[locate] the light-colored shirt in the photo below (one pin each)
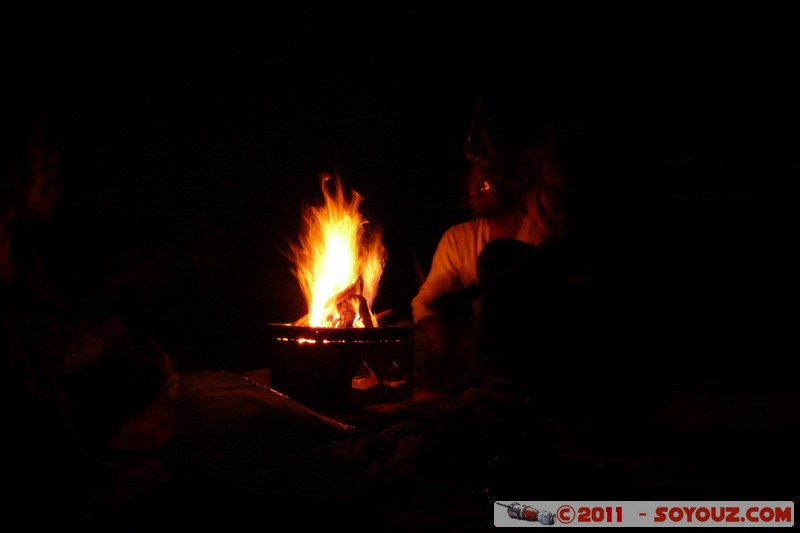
(454, 266)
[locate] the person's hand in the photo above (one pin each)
(433, 334)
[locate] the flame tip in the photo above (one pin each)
(339, 253)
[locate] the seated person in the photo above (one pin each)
(68, 384)
(525, 269)
(513, 194)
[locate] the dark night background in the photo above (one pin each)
(190, 138)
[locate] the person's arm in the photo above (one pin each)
(444, 278)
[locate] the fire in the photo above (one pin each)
(338, 261)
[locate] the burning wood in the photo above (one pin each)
(364, 311)
(336, 355)
(381, 315)
(351, 306)
(336, 248)
(334, 302)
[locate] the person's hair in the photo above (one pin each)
(516, 147)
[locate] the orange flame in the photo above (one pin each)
(337, 253)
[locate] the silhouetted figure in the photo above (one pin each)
(68, 383)
(532, 270)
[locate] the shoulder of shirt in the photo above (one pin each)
(469, 227)
(461, 233)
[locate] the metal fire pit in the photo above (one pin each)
(330, 368)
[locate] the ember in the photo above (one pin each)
(337, 355)
(338, 261)
(339, 368)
